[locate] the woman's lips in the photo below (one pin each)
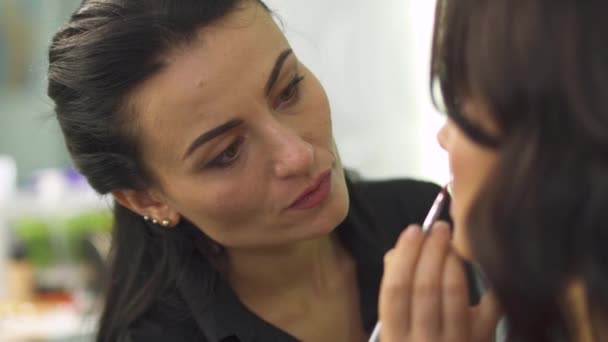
(315, 194)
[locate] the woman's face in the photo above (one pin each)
(470, 164)
(238, 136)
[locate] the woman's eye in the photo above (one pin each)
(290, 93)
(228, 156)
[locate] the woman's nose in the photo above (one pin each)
(293, 155)
(442, 136)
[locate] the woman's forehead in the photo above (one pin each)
(213, 78)
(221, 58)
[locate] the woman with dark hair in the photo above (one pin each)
(234, 220)
(524, 86)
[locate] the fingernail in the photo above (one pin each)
(441, 228)
(412, 231)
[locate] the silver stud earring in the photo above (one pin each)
(155, 221)
(165, 223)
(146, 218)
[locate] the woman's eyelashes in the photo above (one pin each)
(229, 156)
(290, 94)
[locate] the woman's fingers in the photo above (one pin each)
(455, 297)
(424, 293)
(426, 301)
(397, 282)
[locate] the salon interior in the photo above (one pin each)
(371, 57)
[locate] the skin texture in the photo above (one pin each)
(238, 186)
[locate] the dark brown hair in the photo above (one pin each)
(542, 218)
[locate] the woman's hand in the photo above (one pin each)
(424, 294)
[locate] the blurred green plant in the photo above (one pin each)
(40, 234)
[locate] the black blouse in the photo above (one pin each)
(379, 211)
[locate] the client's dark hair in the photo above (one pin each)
(541, 220)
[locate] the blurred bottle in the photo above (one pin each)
(8, 178)
(8, 189)
(20, 274)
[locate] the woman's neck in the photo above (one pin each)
(307, 266)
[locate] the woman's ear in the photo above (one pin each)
(148, 206)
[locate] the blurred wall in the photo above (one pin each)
(28, 131)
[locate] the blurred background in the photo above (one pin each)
(371, 56)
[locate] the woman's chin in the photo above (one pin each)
(460, 243)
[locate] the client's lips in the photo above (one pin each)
(315, 194)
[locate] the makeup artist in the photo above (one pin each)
(234, 219)
(524, 84)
